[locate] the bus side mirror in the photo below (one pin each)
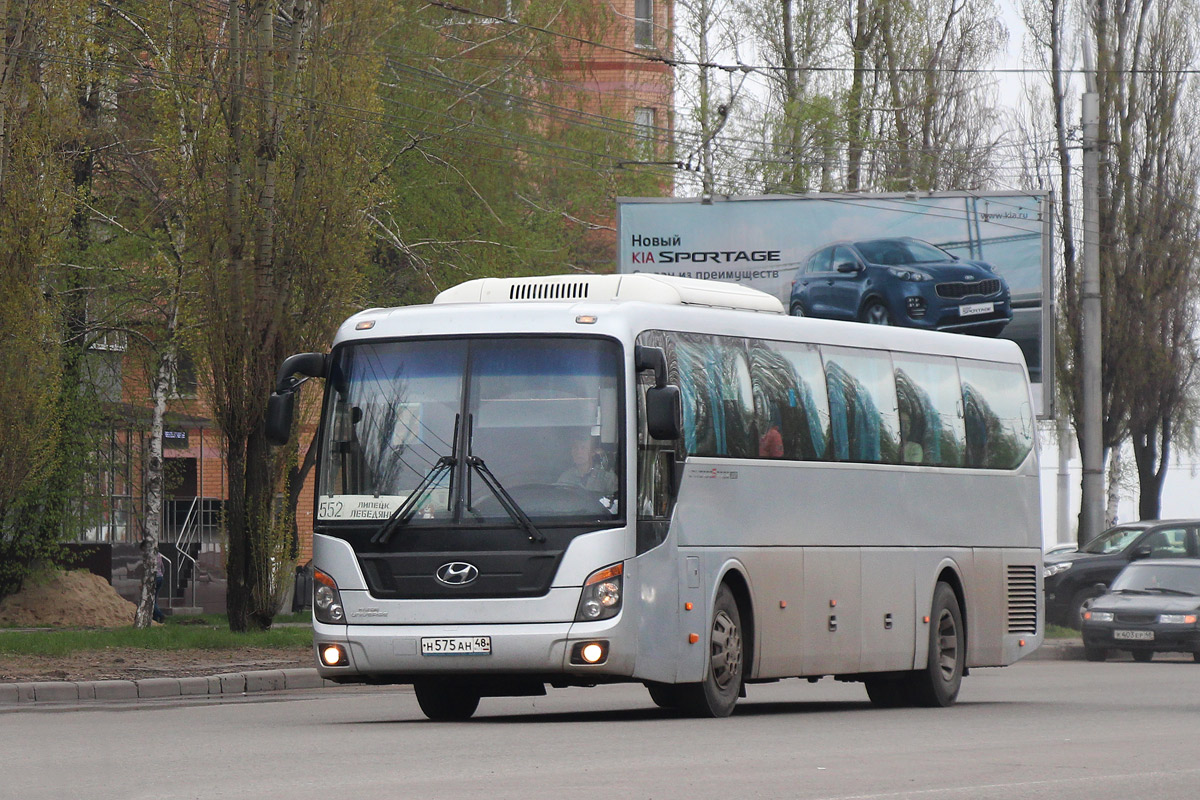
(281, 406)
(310, 365)
(651, 359)
(664, 411)
(278, 422)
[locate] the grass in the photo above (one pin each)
(205, 632)
(1059, 632)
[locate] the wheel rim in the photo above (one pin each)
(797, 310)
(726, 659)
(877, 314)
(947, 655)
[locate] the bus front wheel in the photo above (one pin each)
(446, 701)
(717, 694)
(938, 684)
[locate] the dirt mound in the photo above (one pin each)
(76, 599)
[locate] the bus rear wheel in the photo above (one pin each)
(937, 685)
(446, 701)
(717, 694)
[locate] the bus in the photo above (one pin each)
(588, 479)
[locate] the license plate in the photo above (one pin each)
(972, 309)
(456, 646)
(1135, 636)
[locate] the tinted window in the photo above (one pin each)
(718, 401)
(843, 255)
(998, 417)
(791, 407)
(820, 260)
(930, 403)
(1166, 543)
(862, 405)
(901, 251)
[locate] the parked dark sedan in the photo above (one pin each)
(901, 281)
(1073, 580)
(1151, 608)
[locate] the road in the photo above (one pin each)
(1042, 729)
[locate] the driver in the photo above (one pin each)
(588, 469)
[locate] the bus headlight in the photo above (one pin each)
(327, 600)
(601, 596)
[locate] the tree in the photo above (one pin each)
(36, 114)
(278, 231)
(502, 158)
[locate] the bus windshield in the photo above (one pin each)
(466, 421)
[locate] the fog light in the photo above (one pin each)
(915, 307)
(332, 655)
(589, 652)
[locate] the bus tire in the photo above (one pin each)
(888, 692)
(717, 694)
(937, 685)
(664, 695)
(446, 701)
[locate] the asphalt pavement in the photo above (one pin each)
(274, 680)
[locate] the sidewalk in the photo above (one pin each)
(233, 683)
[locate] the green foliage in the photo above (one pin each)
(502, 159)
(35, 207)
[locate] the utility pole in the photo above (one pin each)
(1091, 439)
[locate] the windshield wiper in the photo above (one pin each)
(505, 499)
(1165, 590)
(404, 513)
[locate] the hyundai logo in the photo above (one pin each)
(968, 277)
(457, 573)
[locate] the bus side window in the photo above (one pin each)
(998, 417)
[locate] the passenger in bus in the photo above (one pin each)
(588, 468)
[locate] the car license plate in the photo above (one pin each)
(456, 646)
(972, 309)
(1135, 636)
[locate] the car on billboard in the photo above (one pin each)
(901, 281)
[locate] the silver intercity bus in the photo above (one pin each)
(576, 480)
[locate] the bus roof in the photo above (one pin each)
(665, 289)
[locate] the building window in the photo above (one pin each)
(643, 118)
(643, 23)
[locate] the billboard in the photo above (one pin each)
(976, 263)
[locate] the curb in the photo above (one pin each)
(1058, 650)
(232, 683)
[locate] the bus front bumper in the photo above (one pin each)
(401, 653)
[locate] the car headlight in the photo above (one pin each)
(327, 600)
(1051, 570)
(1177, 619)
(905, 274)
(1098, 616)
(601, 595)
